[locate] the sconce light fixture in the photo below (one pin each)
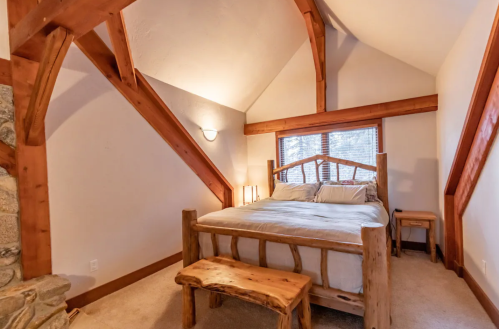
(250, 194)
(210, 134)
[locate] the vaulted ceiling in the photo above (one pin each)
(224, 50)
(418, 32)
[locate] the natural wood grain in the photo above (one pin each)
(5, 72)
(270, 176)
(338, 299)
(346, 247)
(417, 219)
(303, 173)
(327, 159)
(27, 38)
(119, 38)
(159, 116)
(433, 248)
(399, 236)
(8, 159)
(324, 269)
(423, 215)
(375, 277)
(188, 307)
(277, 290)
(190, 240)
(262, 252)
(297, 258)
(214, 243)
(215, 300)
(319, 66)
(304, 313)
(382, 179)
(32, 179)
(449, 232)
(233, 248)
(284, 321)
(56, 47)
(369, 112)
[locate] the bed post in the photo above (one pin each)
(375, 278)
(270, 174)
(382, 179)
(190, 242)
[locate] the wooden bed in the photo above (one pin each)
(374, 303)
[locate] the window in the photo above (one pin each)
(357, 142)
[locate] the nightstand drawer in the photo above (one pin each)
(415, 223)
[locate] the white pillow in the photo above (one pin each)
(344, 194)
(295, 191)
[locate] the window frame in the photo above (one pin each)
(324, 130)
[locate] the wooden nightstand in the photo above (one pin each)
(417, 219)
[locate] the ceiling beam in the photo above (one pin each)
(368, 112)
(5, 72)
(27, 37)
(119, 38)
(8, 158)
(56, 48)
(147, 102)
(317, 35)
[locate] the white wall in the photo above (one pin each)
(455, 83)
(357, 75)
(116, 187)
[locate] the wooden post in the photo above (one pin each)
(188, 307)
(375, 277)
(270, 169)
(382, 179)
(190, 242)
(304, 314)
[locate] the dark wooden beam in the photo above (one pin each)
(156, 112)
(119, 38)
(56, 48)
(5, 72)
(27, 37)
(8, 158)
(316, 32)
(479, 130)
(376, 111)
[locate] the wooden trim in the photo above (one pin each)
(119, 38)
(27, 38)
(329, 128)
(159, 116)
(120, 283)
(477, 136)
(56, 47)
(369, 112)
(381, 147)
(5, 72)
(482, 297)
(270, 176)
(8, 159)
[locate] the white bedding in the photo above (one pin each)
(335, 222)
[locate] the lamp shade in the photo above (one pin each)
(250, 194)
(210, 134)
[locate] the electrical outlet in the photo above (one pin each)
(484, 266)
(94, 265)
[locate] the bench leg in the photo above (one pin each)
(304, 316)
(284, 321)
(188, 307)
(215, 300)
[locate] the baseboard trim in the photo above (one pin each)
(120, 283)
(440, 254)
(484, 300)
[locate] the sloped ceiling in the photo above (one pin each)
(418, 32)
(224, 50)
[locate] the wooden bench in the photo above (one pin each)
(277, 290)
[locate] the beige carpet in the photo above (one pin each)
(425, 296)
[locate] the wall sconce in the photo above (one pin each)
(250, 194)
(210, 134)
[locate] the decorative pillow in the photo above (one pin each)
(295, 191)
(372, 187)
(342, 194)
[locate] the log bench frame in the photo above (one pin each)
(373, 304)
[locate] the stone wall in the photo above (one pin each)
(10, 270)
(38, 303)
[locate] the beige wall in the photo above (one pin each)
(116, 187)
(455, 83)
(357, 75)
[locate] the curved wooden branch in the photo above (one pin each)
(297, 258)
(324, 277)
(262, 252)
(214, 243)
(325, 158)
(233, 247)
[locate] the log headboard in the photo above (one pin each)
(380, 169)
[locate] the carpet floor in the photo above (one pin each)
(424, 295)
